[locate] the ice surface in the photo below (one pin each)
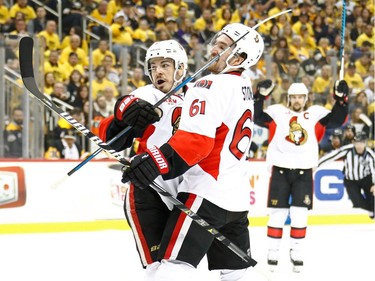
(334, 252)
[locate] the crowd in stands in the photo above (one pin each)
(303, 45)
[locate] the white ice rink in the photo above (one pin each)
(334, 252)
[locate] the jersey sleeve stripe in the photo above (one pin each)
(191, 147)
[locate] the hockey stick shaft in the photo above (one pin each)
(271, 17)
(177, 88)
(342, 50)
(27, 73)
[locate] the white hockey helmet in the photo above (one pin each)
(298, 89)
(168, 49)
(251, 44)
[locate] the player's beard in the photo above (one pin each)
(297, 107)
(217, 66)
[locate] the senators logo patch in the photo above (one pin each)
(176, 116)
(203, 84)
(297, 134)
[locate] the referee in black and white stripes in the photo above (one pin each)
(359, 174)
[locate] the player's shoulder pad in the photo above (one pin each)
(318, 109)
(148, 93)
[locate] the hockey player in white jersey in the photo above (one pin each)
(209, 150)
(294, 132)
(146, 210)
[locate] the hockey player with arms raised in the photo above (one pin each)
(209, 149)
(294, 132)
(146, 210)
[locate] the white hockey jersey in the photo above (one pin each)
(160, 132)
(293, 141)
(215, 133)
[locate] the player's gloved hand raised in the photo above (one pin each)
(341, 91)
(132, 111)
(264, 89)
(145, 168)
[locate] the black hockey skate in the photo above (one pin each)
(296, 259)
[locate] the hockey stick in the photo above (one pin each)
(27, 74)
(183, 83)
(342, 50)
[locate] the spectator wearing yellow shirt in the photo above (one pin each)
(25, 8)
(323, 46)
(4, 17)
(121, 34)
(143, 33)
(323, 84)
(205, 19)
(219, 11)
(303, 21)
(226, 18)
(49, 81)
(72, 64)
(51, 39)
(297, 50)
(74, 46)
(102, 15)
(175, 5)
(368, 35)
(308, 40)
(287, 32)
(75, 30)
(159, 8)
(353, 79)
(363, 65)
(114, 6)
(136, 79)
(279, 7)
(20, 31)
(100, 52)
(241, 13)
(100, 82)
(53, 65)
(113, 73)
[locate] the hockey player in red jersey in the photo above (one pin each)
(209, 150)
(146, 210)
(294, 132)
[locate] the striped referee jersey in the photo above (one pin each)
(356, 166)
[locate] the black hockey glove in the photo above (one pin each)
(264, 89)
(145, 168)
(341, 91)
(135, 112)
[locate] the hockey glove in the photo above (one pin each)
(145, 168)
(264, 89)
(135, 112)
(341, 91)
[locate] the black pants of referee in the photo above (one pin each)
(360, 194)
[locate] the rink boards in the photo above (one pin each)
(37, 196)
